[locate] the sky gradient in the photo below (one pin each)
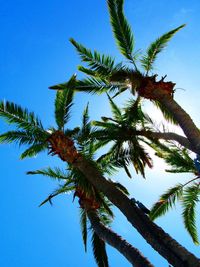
(35, 53)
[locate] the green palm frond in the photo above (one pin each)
(83, 223)
(63, 103)
(166, 113)
(115, 110)
(99, 251)
(55, 173)
(122, 188)
(86, 125)
(133, 113)
(72, 132)
(121, 28)
(87, 71)
(96, 85)
(34, 150)
(166, 201)
(189, 200)
(61, 190)
(21, 118)
(101, 64)
(156, 47)
(20, 137)
(176, 157)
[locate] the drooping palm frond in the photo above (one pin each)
(20, 137)
(99, 251)
(64, 102)
(176, 157)
(34, 150)
(189, 201)
(21, 118)
(166, 201)
(115, 109)
(83, 224)
(55, 173)
(121, 28)
(166, 113)
(156, 47)
(61, 190)
(101, 64)
(133, 114)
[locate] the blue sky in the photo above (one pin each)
(35, 53)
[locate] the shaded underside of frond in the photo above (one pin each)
(99, 251)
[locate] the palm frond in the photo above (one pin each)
(166, 201)
(87, 71)
(95, 85)
(189, 200)
(101, 64)
(62, 189)
(55, 173)
(166, 113)
(176, 157)
(156, 47)
(99, 251)
(121, 28)
(122, 188)
(83, 223)
(33, 150)
(22, 118)
(115, 110)
(63, 103)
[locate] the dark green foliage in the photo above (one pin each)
(121, 28)
(189, 201)
(21, 118)
(99, 251)
(55, 173)
(101, 64)
(95, 85)
(166, 201)
(83, 224)
(176, 157)
(63, 103)
(166, 113)
(156, 47)
(33, 150)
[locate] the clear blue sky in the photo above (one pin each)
(35, 53)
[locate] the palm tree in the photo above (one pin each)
(94, 209)
(59, 141)
(120, 130)
(93, 205)
(106, 76)
(187, 193)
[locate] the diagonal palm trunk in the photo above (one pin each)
(157, 91)
(163, 243)
(184, 120)
(132, 254)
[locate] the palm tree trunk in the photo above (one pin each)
(132, 254)
(184, 120)
(165, 245)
